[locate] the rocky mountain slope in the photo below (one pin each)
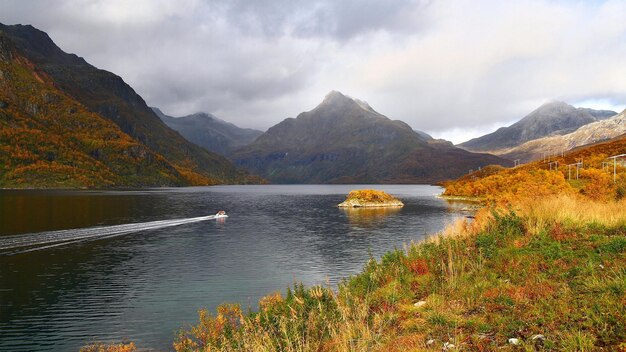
(587, 134)
(344, 140)
(108, 96)
(210, 132)
(553, 118)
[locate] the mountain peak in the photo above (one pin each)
(551, 118)
(336, 98)
(343, 140)
(553, 106)
(38, 46)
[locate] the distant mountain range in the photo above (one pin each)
(65, 123)
(591, 133)
(344, 140)
(553, 118)
(210, 132)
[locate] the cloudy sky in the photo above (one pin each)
(456, 69)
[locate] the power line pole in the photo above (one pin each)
(556, 165)
(615, 165)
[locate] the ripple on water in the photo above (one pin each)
(145, 285)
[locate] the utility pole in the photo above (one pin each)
(556, 165)
(615, 165)
(578, 165)
(569, 172)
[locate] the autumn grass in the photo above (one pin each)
(101, 347)
(572, 211)
(547, 274)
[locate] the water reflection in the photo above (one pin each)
(463, 205)
(370, 216)
(145, 285)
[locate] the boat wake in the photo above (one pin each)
(16, 244)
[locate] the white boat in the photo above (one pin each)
(221, 214)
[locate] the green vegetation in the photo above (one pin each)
(561, 285)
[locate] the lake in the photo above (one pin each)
(144, 282)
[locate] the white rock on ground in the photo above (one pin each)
(514, 341)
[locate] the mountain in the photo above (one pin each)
(48, 139)
(209, 132)
(591, 133)
(344, 140)
(107, 95)
(423, 134)
(551, 118)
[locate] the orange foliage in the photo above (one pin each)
(270, 301)
(418, 266)
(370, 195)
(510, 184)
(599, 185)
(210, 329)
(538, 179)
(47, 139)
(194, 178)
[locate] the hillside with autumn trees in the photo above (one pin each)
(56, 137)
(585, 171)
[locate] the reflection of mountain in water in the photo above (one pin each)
(370, 216)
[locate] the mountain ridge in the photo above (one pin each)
(344, 140)
(597, 131)
(554, 117)
(107, 95)
(49, 140)
(209, 131)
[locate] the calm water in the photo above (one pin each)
(145, 285)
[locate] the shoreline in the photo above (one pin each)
(462, 198)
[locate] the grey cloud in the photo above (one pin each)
(460, 66)
(332, 19)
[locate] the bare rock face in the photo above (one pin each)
(553, 118)
(591, 133)
(370, 198)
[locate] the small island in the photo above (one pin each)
(366, 198)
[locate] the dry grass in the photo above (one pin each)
(571, 210)
(100, 347)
